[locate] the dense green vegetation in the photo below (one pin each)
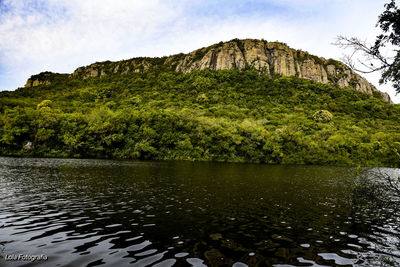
(227, 115)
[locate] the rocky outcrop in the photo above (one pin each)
(100, 69)
(275, 58)
(269, 58)
(35, 82)
(39, 79)
(44, 78)
(386, 97)
(94, 70)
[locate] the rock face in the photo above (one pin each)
(275, 58)
(39, 79)
(100, 69)
(44, 78)
(269, 58)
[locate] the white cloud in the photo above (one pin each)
(71, 33)
(62, 35)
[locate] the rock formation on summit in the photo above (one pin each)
(269, 58)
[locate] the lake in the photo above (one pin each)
(77, 212)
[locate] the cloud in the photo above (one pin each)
(61, 35)
(45, 32)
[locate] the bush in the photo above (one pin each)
(45, 104)
(322, 116)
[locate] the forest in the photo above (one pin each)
(226, 115)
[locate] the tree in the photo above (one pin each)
(379, 189)
(376, 60)
(322, 116)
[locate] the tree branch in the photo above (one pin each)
(371, 53)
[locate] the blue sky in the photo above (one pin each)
(61, 35)
(222, 9)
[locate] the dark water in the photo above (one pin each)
(92, 212)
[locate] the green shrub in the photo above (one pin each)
(322, 116)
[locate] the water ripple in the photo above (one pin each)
(100, 212)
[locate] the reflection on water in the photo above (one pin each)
(92, 212)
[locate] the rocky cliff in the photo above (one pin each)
(45, 78)
(270, 58)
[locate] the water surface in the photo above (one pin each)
(103, 212)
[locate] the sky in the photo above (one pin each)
(61, 35)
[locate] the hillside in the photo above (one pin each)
(239, 101)
(269, 58)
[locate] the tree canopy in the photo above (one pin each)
(226, 115)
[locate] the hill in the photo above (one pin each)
(241, 101)
(269, 58)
